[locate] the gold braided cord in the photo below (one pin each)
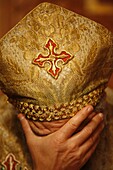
(37, 113)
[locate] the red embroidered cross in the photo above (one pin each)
(10, 162)
(52, 58)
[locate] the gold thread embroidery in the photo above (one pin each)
(35, 112)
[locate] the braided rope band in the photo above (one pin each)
(37, 113)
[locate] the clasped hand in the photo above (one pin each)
(68, 148)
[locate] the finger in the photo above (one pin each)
(39, 129)
(72, 125)
(25, 126)
(92, 140)
(89, 153)
(91, 116)
(86, 121)
(89, 129)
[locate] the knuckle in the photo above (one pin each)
(79, 155)
(58, 140)
(71, 146)
(88, 130)
(73, 125)
(91, 140)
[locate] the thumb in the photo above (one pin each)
(25, 126)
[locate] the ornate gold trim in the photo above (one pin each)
(37, 113)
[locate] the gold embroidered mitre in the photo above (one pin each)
(54, 62)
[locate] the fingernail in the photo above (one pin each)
(101, 115)
(89, 108)
(20, 117)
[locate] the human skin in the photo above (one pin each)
(46, 128)
(66, 148)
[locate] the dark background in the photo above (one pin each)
(11, 11)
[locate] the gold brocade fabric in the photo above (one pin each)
(54, 56)
(51, 62)
(13, 144)
(14, 154)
